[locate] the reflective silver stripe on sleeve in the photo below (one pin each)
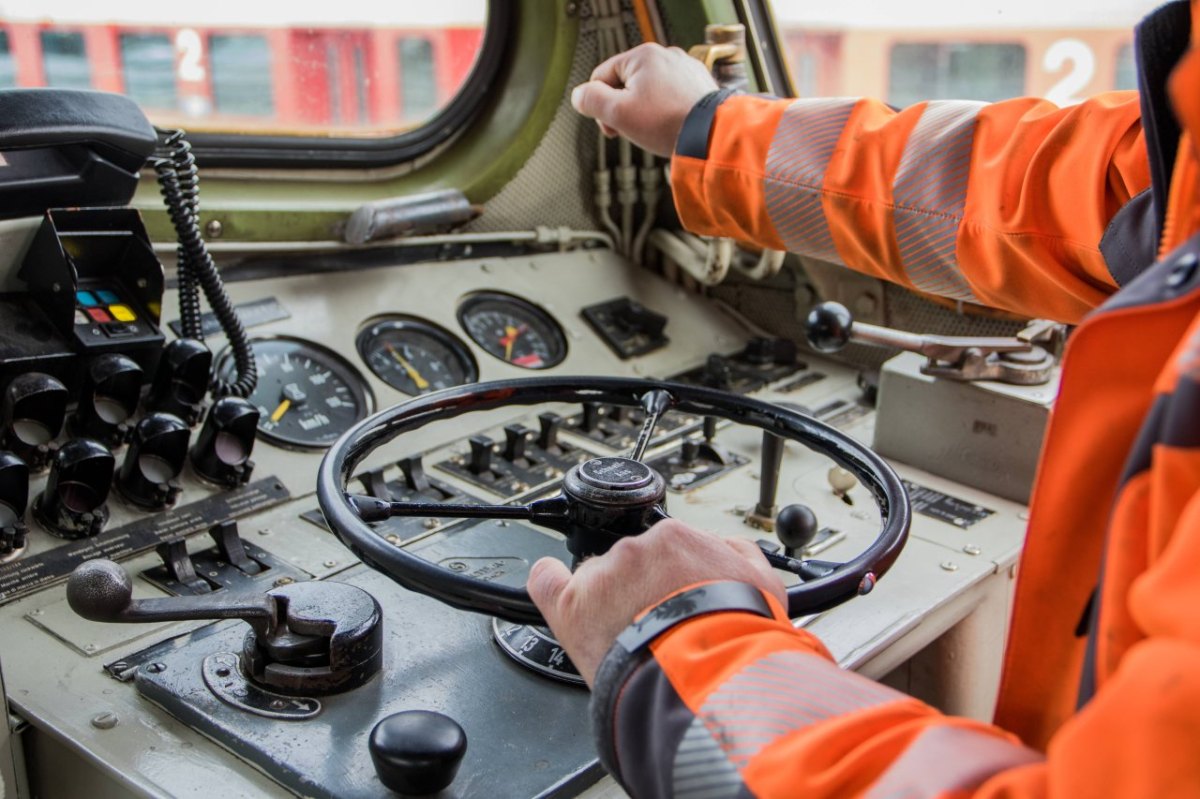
(945, 759)
(702, 770)
(929, 194)
(768, 699)
(799, 154)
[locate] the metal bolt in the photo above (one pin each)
(502, 524)
(264, 531)
(283, 581)
(456, 566)
(214, 229)
(89, 648)
(105, 721)
(329, 564)
(277, 704)
(971, 549)
(223, 671)
(156, 668)
(394, 539)
(431, 524)
(142, 282)
(949, 565)
(119, 666)
(56, 287)
(572, 9)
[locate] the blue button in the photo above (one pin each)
(107, 297)
(86, 299)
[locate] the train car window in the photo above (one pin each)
(8, 66)
(954, 71)
(65, 61)
(418, 90)
(241, 75)
(148, 69)
(1064, 51)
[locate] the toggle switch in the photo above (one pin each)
(180, 567)
(516, 445)
(34, 408)
(222, 450)
(482, 449)
(157, 452)
(549, 425)
(232, 549)
(14, 496)
(591, 417)
(112, 386)
(74, 501)
(181, 380)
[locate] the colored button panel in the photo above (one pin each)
(107, 297)
(80, 319)
(86, 299)
(122, 313)
(99, 315)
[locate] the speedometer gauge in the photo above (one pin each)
(514, 330)
(414, 356)
(306, 395)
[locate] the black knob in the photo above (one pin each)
(155, 458)
(482, 449)
(417, 751)
(591, 417)
(223, 447)
(549, 424)
(796, 526)
(34, 408)
(716, 373)
(828, 326)
(112, 387)
(516, 442)
(14, 496)
(73, 504)
(181, 380)
(689, 452)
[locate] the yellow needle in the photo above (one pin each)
(281, 410)
(413, 374)
(510, 335)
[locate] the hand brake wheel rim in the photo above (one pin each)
(514, 604)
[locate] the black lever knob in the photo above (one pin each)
(112, 386)
(516, 443)
(482, 449)
(181, 380)
(717, 373)
(417, 751)
(34, 408)
(796, 526)
(222, 450)
(155, 458)
(591, 417)
(74, 502)
(828, 326)
(549, 424)
(14, 496)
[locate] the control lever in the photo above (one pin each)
(305, 639)
(1020, 360)
(655, 403)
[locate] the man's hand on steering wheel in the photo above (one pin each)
(587, 610)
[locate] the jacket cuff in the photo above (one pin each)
(631, 650)
(697, 127)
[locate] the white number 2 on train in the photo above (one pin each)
(1083, 69)
(191, 56)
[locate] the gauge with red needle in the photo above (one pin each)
(513, 329)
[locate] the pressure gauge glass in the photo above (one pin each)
(414, 356)
(514, 330)
(306, 395)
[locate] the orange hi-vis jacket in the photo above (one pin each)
(1047, 212)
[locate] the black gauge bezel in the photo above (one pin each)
(340, 365)
(520, 305)
(381, 324)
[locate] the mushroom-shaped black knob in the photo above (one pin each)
(796, 526)
(34, 408)
(74, 502)
(155, 458)
(14, 496)
(99, 590)
(828, 326)
(112, 388)
(417, 751)
(223, 447)
(181, 379)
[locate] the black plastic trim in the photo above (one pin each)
(238, 150)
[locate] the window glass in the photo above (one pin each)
(8, 67)
(418, 90)
(241, 75)
(1064, 51)
(64, 60)
(148, 69)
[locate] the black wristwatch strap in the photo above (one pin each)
(697, 126)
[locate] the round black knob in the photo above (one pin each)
(112, 388)
(73, 504)
(828, 326)
(155, 458)
(223, 447)
(181, 380)
(417, 751)
(99, 590)
(34, 408)
(796, 526)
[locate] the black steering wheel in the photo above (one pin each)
(602, 499)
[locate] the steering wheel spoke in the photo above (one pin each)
(549, 512)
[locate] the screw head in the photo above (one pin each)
(214, 229)
(971, 549)
(949, 566)
(156, 668)
(105, 721)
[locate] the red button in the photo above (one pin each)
(98, 314)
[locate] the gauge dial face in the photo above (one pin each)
(415, 357)
(306, 395)
(514, 330)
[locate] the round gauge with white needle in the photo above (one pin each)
(306, 395)
(514, 330)
(414, 356)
